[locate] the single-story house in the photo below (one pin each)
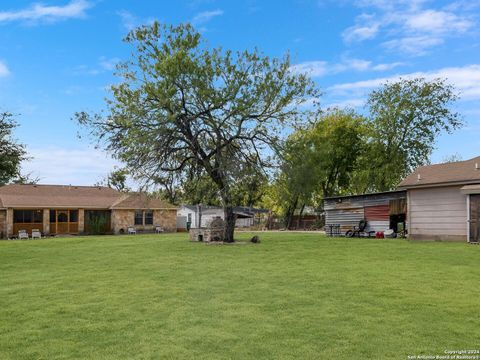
(67, 209)
(444, 201)
(201, 215)
(382, 211)
(436, 202)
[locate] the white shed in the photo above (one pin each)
(202, 215)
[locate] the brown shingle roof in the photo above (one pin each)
(140, 201)
(461, 172)
(67, 196)
(45, 196)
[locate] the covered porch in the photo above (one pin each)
(47, 221)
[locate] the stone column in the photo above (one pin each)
(46, 221)
(81, 221)
(113, 222)
(9, 222)
(3, 224)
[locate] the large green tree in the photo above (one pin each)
(319, 159)
(11, 152)
(200, 189)
(405, 119)
(182, 106)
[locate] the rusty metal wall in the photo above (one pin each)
(377, 213)
(348, 211)
(346, 218)
(357, 201)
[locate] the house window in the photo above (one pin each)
(73, 215)
(138, 217)
(189, 218)
(149, 217)
(27, 216)
(62, 217)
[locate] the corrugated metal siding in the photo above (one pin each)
(379, 212)
(375, 208)
(346, 218)
(378, 225)
(363, 200)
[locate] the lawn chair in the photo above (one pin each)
(159, 229)
(36, 234)
(22, 234)
(131, 230)
(359, 230)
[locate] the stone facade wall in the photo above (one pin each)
(46, 221)
(81, 221)
(122, 219)
(206, 235)
(3, 224)
(167, 219)
(9, 222)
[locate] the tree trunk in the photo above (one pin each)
(290, 213)
(229, 224)
(300, 216)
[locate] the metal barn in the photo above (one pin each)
(382, 211)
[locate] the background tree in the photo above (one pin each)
(117, 179)
(452, 158)
(11, 152)
(406, 118)
(25, 179)
(319, 159)
(182, 106)
(200, 189)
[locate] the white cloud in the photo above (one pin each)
(348, 103)
(390, 5)
(413, 45)
(312, 68)
(108, 64)
(129, 20)
(104, 65)
(432, 21)
(366, 27)
(205, 16)
(407, 26)
(322, 68)
(40, 12)
(386, 67)
(4, 71)
(354, 64)
(466, 79)
(54, 165)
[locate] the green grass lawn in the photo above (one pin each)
(298, 296)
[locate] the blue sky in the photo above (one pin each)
(57, 57)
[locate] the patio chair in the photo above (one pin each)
(36, 234)
(131, 230)
(159, 229)
(22, 234)
(359, 230)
